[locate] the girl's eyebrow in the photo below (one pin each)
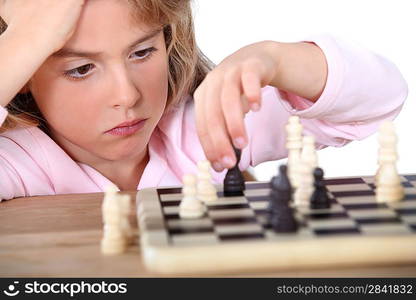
(68, 52)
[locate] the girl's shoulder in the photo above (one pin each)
(23, 144)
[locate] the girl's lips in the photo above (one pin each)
(127, 130)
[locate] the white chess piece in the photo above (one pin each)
(125, 203)
(309, 161)
(190, 206)
(206, 191)
(387, 152)
(113, 241)
(309, 154)
(387, 179)
(389, 187)
(294, 146)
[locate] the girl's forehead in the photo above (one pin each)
(102, 20)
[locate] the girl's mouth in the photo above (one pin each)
(128, 129)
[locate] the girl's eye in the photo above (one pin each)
(143, 54)
(79, 72)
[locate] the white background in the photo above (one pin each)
(384, 26)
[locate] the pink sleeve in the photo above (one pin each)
(17, 167)
(362, 90)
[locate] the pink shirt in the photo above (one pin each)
(362, 90)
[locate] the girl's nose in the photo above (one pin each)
(125, 92)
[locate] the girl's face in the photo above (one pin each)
(112, 70)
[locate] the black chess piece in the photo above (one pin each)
(280, 214)
(234, 184)
(319, 198)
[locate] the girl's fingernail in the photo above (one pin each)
(217, 166)
(228, 162)
(240, 142)
(255, 106)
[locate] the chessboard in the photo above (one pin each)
(235, 235)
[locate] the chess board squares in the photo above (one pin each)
(170, 197)
(410, 197)
(409, 219)
(409, 177)
(306, 210)
(164, 191)
(258, 186)
(187, 226)
(230, 213)
(242, 228)
(227, 201)
(369, 179)
(354, 193)
(385, 229)
(257, 192)
(403, 207)
(372, 213)
(349, 187)
(334, 225)
(342, 181)
(356, 200)
(259, 205)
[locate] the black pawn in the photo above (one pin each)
(280, 213)
(234, 184)
(319, 198)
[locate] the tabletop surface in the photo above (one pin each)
(59, 236)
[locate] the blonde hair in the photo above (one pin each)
(188, 66)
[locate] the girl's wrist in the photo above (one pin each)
(35, 45)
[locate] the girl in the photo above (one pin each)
(99, 91)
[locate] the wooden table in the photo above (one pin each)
(59, 236)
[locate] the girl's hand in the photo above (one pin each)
(227, 94)
(49, 21)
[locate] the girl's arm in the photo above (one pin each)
(20, 57)
(340, 90)
(301, 68)
(36, 29)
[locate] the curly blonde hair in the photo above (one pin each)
(188, 66)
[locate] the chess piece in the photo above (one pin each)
(387, 152)
(113, 241)
(387, 179)
(190, 206)
(308, 161)
(319, 198)
(206, 191)
(308, 154)
(280, 214)
(389, 187)
(294, 146)
(125, 207)
(234, 184)
(304, 192)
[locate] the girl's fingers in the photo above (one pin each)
(251, 85)
(232, 107)
(223, 152)
(201, 124)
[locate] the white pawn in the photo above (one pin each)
(389, 187)
(113, 241)
(191, 206)
(125, 203)
(206, 191)
(294, 146)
